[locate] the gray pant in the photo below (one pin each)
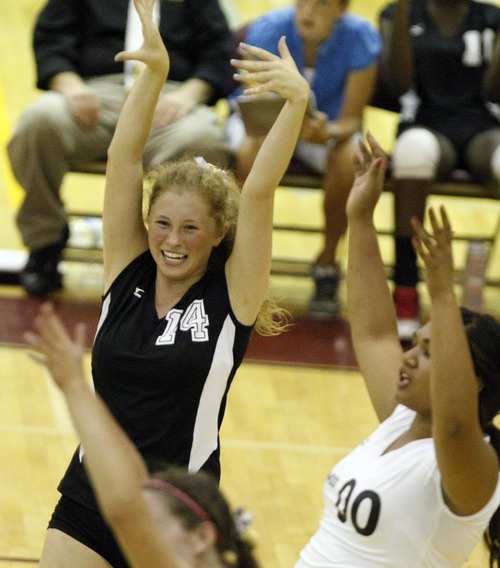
(47, 139)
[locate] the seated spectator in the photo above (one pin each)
(74, 47)
(337, 52)
(444, 57)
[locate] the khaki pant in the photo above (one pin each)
(47, 139)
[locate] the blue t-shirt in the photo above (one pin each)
(354, 44)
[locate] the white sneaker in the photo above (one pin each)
(86, 233)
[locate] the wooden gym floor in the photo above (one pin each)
(290, 417)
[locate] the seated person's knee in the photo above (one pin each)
(416, 155)
(48, 113)
(495, 163)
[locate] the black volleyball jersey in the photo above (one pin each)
(449, 71)
(165, 379)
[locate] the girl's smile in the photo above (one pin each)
(182, 232)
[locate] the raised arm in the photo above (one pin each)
(468, 464)
(124, 233)
(116, 469)
(249, 265)
(370, 307)
(397, 58)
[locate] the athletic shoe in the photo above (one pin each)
(324, 305)
(407, 311)
(41, 276)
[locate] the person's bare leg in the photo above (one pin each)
(62, 551)
(410, 196)
(339, 178)
(409, 201)
(245, 156)
(419, 157)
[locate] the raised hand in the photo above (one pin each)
(435, 251)
(55, 349)
(152, 52)
(370, 165)
(266, 73)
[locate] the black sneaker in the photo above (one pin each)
(324, 305)
(41, 275)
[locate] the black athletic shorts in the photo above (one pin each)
(88, 527)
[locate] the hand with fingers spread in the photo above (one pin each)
(152, 52)
(370, 164)
(337, 52)
(265, 72)
(55, 349)
(434, 248)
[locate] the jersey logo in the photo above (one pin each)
(417, 30)
(192, 319)
(478, 47)
(138, 292)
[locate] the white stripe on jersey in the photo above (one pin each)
(205, 434)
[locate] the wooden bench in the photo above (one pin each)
(298, 176)
(459, 185)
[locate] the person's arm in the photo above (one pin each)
(370, 307)
(467, 463)
(249, 265)
(397, 57)
(56, 40)
(206, 58)
(56, 36)
(116, 469)
(212, 47)
(358, 92)
(492, 76)
(124, 233)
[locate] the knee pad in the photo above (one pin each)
(416, 155)
(495, 163)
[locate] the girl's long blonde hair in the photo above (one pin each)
(220, 189)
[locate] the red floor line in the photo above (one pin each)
(307, 343)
